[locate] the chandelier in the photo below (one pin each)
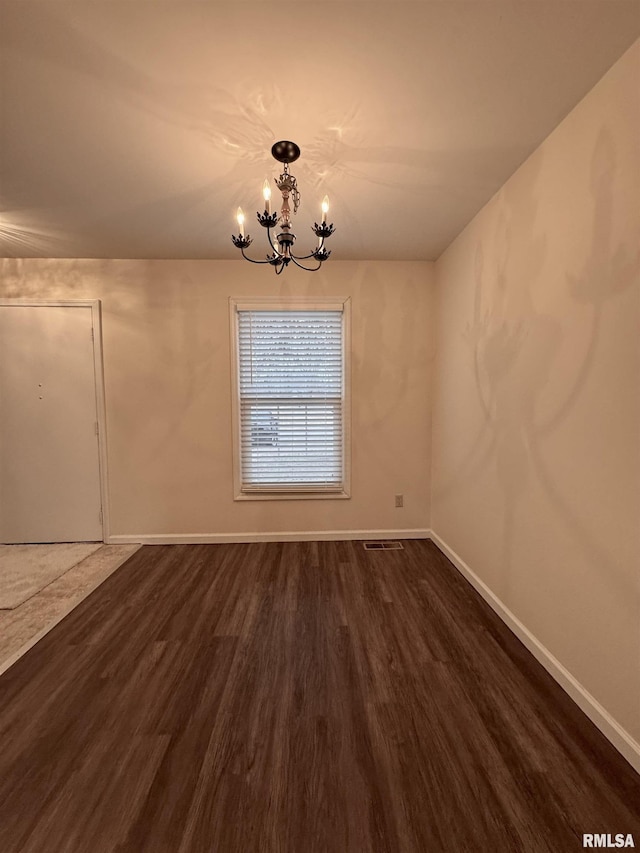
(281, 244)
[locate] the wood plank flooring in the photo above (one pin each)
(296, 698)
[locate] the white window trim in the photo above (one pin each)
(285, 492)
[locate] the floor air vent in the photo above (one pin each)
(383, 546)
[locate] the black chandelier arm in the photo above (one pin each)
(319, 248)
(320, 254)
(251, 260)
(279, 261)
(302, 266)
(304, 257)
(243, 241)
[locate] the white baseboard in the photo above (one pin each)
(619, 737)
(283, 536)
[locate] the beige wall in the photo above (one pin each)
(536, 473)
(168, 392)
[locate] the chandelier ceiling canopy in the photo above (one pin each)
(281, 244)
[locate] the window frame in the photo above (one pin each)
(284, 492)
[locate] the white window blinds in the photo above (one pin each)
(291, 390)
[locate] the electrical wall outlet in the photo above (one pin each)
(399, 500)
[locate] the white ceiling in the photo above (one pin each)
(134, 129)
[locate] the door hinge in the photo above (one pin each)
(97, 428)
(100, 516)
(92, 338)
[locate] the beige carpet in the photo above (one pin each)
(22, 627)
(26, 569)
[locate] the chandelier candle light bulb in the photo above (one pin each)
(325, 208)
(266, 194)
(240, 219)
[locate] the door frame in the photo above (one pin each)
(98, 371)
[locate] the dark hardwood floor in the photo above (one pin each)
(296, 698)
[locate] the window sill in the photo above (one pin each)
(291, 496)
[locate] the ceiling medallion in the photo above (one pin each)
(281, 244)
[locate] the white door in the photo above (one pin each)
(49, 452)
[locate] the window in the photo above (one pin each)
(290, 400)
